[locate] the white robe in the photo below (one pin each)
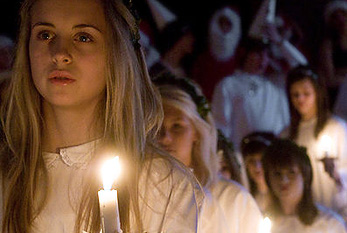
(230, 208)
(167, 199)
(243, 103)
(326, 222)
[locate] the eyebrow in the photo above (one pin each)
(76, 26)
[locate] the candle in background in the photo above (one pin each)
(265, 226)
(270, 17)
(326, 145)
(108, 198)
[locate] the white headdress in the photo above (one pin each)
(162, 16)
(331, 7)
(266, 13)
(223, 45)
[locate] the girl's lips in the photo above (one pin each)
(284, 188)
(61, 77)
(61, 80)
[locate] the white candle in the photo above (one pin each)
(108, 198)
(270, 17)
(265, 226)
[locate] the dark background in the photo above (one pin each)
(308, 14)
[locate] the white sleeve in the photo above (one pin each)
(341, 135)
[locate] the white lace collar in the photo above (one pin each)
(74, 156)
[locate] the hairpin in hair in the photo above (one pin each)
(167, 78)
(136, 33)
(303, 71)
(256, 138)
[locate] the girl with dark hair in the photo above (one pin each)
(252, 148)
(288, 174)
(312, 126)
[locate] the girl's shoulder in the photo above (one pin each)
(329, 217)
(336, 122)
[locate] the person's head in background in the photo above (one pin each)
(6, 53)
(255, 58)
(288, 174)
(307, 99)
(188, 132)
(175, 44)
(253, 146)
(95, 42)
(335, 17)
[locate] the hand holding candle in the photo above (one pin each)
(108, 198)
(328, 160)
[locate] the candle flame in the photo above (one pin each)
(326, 144)
(265, 226)
(110, 172)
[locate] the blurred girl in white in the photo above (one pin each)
(252, 148)
(188, 134)
(288, 174)
(324, 135)
(79, 89)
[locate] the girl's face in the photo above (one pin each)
(256, 62)
(303, 97)
(255, 168)
(287, 184)
(67, 51)
(177, 135)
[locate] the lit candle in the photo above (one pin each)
(265, 226)
(326, 145)
(108, 198)
(270, 17)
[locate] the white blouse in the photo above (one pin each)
(326, 222)
(167, 201)
(231, 210)
(243, 103)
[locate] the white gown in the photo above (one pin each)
(326, 222)
(243, 103)
(231, 210)
(167, 200)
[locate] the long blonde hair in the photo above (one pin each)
(130, 119)
(205, 161)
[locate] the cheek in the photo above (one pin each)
(299, 186)
(37, 58)
(275, 185)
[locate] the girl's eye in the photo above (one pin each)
(176, 126)
(85, 38)
(277, 174)
(45, 35)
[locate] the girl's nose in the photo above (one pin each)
(61, 52)
(165, 137)
(284, 179)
